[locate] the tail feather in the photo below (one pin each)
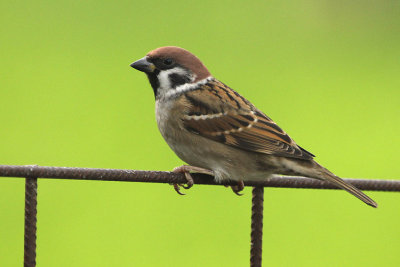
(330, 177)
(351, 189)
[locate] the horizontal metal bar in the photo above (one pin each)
(170, 177)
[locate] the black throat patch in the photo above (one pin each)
(155, 84)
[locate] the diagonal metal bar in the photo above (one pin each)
(256, 226)
(30, 222)
(169, 177)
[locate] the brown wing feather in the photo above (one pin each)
(217, 112)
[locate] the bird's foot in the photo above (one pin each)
(189, 179)
(238, 188)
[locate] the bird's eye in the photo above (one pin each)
(168, 61)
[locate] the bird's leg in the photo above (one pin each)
(238, 188)
(186, 169)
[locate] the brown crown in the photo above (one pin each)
(182, 57)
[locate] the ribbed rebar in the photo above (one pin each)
(30, 222)
(32, 172)
(256, 226)
(170, 177)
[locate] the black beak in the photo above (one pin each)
(143, 65)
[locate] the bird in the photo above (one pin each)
(217, 131)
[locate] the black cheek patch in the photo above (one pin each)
(177, 79)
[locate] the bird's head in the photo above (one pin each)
(169, 68)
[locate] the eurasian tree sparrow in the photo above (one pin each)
(217, 131)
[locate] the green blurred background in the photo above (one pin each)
(326, 71)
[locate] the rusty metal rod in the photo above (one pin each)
(30, 222)
(256, 226)
(32, 172)
(169, 177)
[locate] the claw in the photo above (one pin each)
(236, 192)
(189, 179)
(186, 186)
(237, 188)
(178, 190)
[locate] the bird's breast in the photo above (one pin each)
(190, 147)
(226, 162)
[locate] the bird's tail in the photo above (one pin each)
(325, 174)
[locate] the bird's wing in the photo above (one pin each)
(217, 112)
